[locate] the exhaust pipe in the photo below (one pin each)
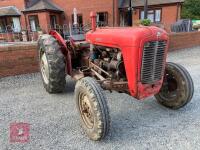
(93, 17)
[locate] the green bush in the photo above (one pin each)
(145, 22)
(190, 10)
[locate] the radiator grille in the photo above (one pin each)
(153, 61)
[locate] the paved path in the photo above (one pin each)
(136, 125)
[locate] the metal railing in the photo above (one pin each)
(9, 34)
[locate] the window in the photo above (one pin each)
(102, 18)
(34, 23)
(10, 24)
(124, 18)
(16, 24)
(154, 15)
(53, 21)
(79, 19)
(2, 25)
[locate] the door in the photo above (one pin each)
(34, 23)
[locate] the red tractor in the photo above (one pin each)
(129, 60)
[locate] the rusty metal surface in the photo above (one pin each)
(117, 86)
(98, 75)
(98, 68)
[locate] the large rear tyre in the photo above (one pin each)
(52, 64)
(92, 106)
(177, 89)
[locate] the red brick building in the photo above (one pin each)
(163, 12)
(45, 14)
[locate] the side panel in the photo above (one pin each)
(130, 56)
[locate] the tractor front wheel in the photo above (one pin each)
(92, 106)
(52, 64)
(177, 89)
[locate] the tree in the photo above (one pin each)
(191, 9)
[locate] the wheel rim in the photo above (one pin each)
(86, 110)
(44, 67)
(171, 88)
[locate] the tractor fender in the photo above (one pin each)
(65, 50)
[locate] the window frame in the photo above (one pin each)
(56, 21)
(4, 20)
(20, 26)
(78, 19)
(154, 14)
(9, 24)
(105, 14)
(36, 24)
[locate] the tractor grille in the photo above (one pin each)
(153, 61)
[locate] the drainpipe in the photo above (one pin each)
(93, 17)
(27, 33)
(113, 13)
(130, 14)
(25, 17)
(145, 9)
(177, 14)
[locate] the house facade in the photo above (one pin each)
(46, 14)
(34, 15)
(160, 12)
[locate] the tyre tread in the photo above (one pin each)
(100, 106)
(56, 62)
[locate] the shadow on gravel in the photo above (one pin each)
(70, 86)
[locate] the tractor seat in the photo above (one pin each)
(82, 44)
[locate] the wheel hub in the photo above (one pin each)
(86, 111)
(170, 88)
(44, 68)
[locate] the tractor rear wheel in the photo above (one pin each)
(92, 106)
(52, 64)
(177, 89)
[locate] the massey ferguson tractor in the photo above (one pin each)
(128, 60)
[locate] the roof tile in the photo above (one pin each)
(44, 5)
(139, 3)
(9, 11)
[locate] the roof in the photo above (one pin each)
(9, 11)
(139, 3)
(44, 5)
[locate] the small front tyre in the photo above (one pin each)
(92, 106)
(177, 89)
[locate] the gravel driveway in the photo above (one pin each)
(54, 122)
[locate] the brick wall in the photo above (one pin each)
(184, 40)
(86, 7)
(170, 14)
(18, 59)
(9, 37)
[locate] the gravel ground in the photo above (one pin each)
(54, 122)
